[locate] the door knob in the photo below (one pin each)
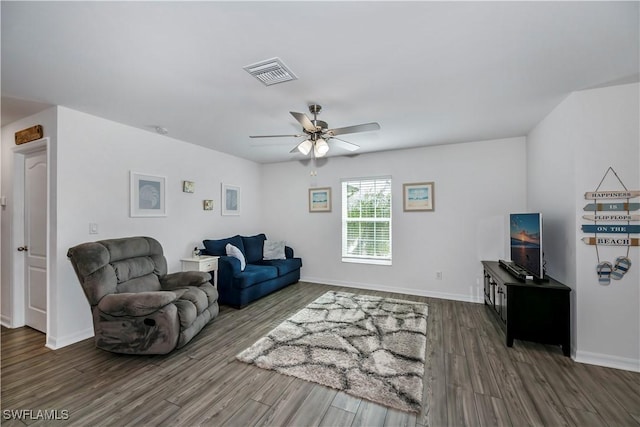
(23, 249)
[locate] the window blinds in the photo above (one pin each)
(366, 220)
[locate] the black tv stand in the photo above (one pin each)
(526, 310)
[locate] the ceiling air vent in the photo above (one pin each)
(271, 71)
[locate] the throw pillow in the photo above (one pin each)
(236, 253)
(273, 249)
(253, 247)
(218, 247)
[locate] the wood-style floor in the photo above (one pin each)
(471, 378)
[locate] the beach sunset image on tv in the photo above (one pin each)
(525, 232)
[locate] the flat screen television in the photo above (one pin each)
(526, 243)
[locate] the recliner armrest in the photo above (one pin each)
(135, 304)
(184, 278)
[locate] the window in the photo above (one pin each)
(366, 220)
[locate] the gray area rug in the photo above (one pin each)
(370, 347)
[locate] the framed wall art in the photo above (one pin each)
(207, 205)
(230, 199)
(147, 195)
(418, 196)
(188, 186)
(320, 199)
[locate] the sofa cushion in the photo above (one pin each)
(254, 274)
(131, 268)
(148, 283)
(135, 304)
(273, 249)
(187, 313)
(284, 266)
(210, 292)
(184, 278)
(197, 297)
(236, 253)
(218, 247)
(253, 247)
(191, 303)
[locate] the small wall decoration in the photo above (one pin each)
(614, 208)
(29, 134)
(188, 186)
(230, 199)
(320, 199)
(418, 196)
(147, 195)
(207, 205)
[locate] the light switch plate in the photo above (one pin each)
(93, 228)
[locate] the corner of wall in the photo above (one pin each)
(567, 154)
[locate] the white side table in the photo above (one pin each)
(205, 263)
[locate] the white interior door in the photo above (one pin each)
(35, 240)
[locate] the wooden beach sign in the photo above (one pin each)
(622, 194)
(29, 134)
(597, 207)
(612, 241)
(618, 228)
(612, 217)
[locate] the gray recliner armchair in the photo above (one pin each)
(137, 307)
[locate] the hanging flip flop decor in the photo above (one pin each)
(604, 269)
(612, 205)
(621, 266)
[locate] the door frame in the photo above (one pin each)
(18, 294)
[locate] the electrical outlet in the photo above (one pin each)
(439, 275)
(93, 228)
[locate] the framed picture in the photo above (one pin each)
(207, 205)
(188, 186)
(320, 199)
(230, 199)
(418, 196)
(147, 195)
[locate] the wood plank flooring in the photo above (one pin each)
(471, 378)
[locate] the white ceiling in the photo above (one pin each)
(428, 72)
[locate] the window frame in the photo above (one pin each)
(345, 220)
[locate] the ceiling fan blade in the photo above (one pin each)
(304, 121)
(349, 146)
(274, 136)
(354, 129)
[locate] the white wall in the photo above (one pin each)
(476, 186)
(93, 160)
(567, 155)
(10, 238)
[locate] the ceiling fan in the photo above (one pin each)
(317, 134)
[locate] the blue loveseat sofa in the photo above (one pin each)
(260, 277)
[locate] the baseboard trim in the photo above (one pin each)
(408, 291)
(56, 343)
(6, 321)
(608, 361)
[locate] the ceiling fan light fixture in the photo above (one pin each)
(317, 134)
(305, 146)
(320, 148)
